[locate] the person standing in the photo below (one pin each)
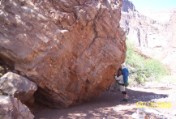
(122, 79)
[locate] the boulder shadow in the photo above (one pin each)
(99, 107)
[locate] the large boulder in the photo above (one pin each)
(18, 86)
(69, 48)
(12, 108)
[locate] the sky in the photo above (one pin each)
(157, 5)
(155, 9)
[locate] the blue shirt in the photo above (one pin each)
(125, 74)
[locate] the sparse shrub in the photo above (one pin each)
(143, 68)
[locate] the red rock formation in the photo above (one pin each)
(69, 48)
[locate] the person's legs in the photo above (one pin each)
(124, 93)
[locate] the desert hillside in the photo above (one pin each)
(151, 36)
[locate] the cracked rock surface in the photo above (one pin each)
(69, 48)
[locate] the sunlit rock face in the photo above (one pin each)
(70, 49)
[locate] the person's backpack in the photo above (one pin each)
(125, 74)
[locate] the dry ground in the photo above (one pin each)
(109, 105)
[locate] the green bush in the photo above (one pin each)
(142, 67)
(155, 68)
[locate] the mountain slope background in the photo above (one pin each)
(152, 36)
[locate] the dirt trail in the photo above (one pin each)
(109, 105)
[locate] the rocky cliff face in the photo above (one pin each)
(69, 48)
(151, 37)
(170, 49)
(144, 31)
(172, 28)
(128, 6)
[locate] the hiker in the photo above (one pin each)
(122, 79)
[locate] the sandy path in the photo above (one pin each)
(109, 105)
